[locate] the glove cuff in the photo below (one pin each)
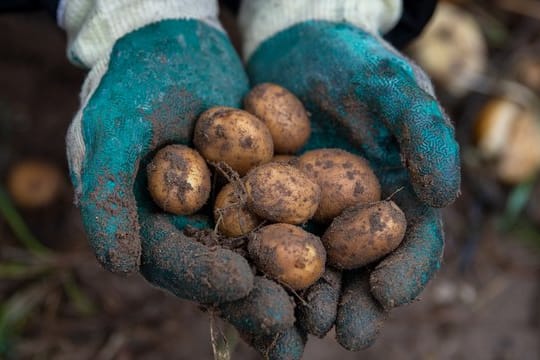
(75, 145)
(93, 26)
(261, 19)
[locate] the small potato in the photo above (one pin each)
(232, 217)
(283, 114)
(179, 180)
(34, 183)
(363, 234)
(233, 136)
(288, 254)
(345, 180)
(281, 193)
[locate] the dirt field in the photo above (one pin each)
(484, 304)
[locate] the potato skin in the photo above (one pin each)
(179, 180)
(234, 218)
(283, 114)
(233, 136)
(288, 254)
(363, 234)
(345, 180)
(281, 193)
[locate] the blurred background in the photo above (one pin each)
(57, 303)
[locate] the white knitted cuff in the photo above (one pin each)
(261, 19)
(93, 26)
(75, 146)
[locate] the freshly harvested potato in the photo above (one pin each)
(288, 254)
(179, 180)
(34, 183)
(363, 234)
(233, 217)
(281, 193)
(283, 114)
(345, 180)
(233, 136)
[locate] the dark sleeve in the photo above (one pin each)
(416, 14)
(234, 5)
(29, 5)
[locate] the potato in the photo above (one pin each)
(288, 254)
(34, 184)
(363, 234)
(179, 180)
(452, 49)
(233, 218)
(282, 113)
(281, 193)
(233, 136)
(345, 180)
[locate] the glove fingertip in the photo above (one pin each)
(440, 186)
(124, 258)
(286, 345)
(267, 309)
(113, 234)
(432, 154)
(393, 293)
(317, 314)
(360, 317)
(189, 269)
(402, 276)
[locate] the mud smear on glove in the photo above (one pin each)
(191, 270)
(350, 117)
(173, 117)
(318, 313)
(267, 310)
(285, 345)
(122, 253)
(360, 317)
(400, 277)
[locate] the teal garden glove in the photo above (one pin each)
(367, 98)
(155, 66)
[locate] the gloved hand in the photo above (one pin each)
(364, 97)
(144, 92)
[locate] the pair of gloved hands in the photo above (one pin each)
(363, 96)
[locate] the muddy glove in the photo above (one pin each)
(364, 97)
(155, 66)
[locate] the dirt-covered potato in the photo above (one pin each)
(232, 217)
(363, 234)
(281, 193)
(34, 184)
(233, 136)
(282, 113)
(288, 254)
(345, 180)
(179, 180)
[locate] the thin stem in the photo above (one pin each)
(19, 228)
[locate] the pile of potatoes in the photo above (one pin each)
(271, 193)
